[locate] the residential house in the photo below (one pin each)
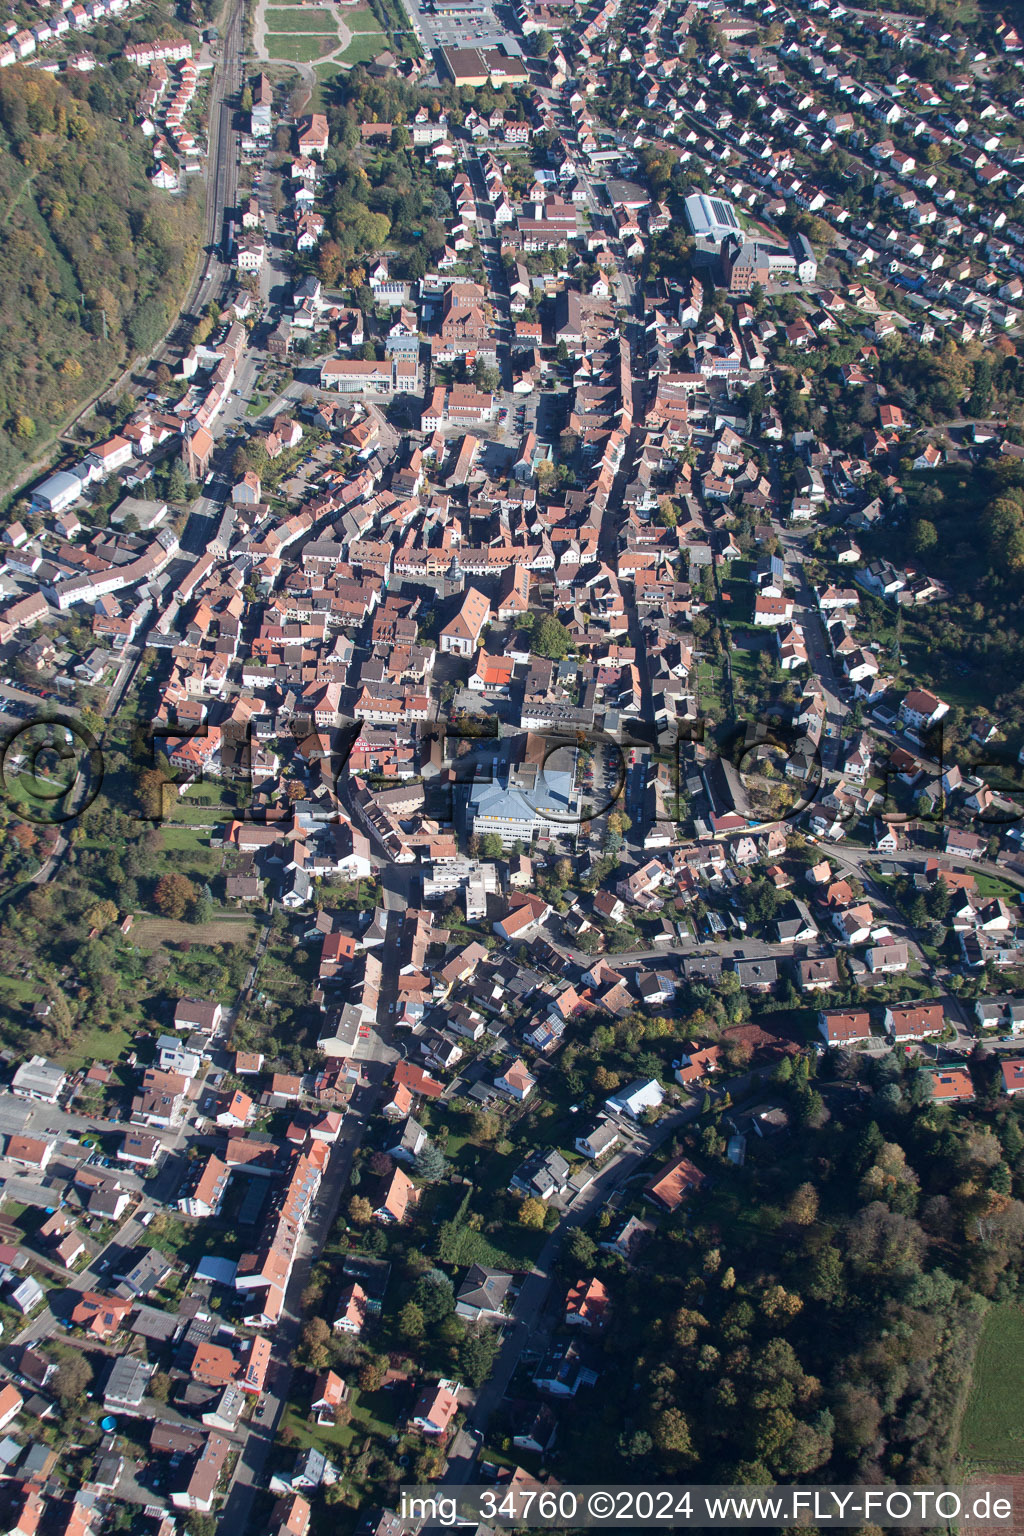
(435, 1408)
(483, 1294)
(399, 1194)
(516, 1080)
(841, 1027)
(910, 1021)
(588, 1306)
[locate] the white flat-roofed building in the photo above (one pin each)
(711, 218)
(38, 1078)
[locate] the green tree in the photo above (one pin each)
(551, 639)
(372, 1374)
(177, 485)
(1000, 1179)
(101, 915)
(435, 1296)
(411, 1321)
(580, 1250)
(924, 537)
(477, 1353)
(803, 1206)
(431, 1165)
(146, 326)
(485, 377)
(672, 1436)
(316, 1342)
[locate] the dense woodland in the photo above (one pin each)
(816, 1310)
(388, 197)
(93, 256)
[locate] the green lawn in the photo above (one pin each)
(302, 49)
(745, 665)
(101, 1043)
(993, 1426)
(15, 990)
(990, 885)
(372, 1412)
(289, 21)
(325, 73)
(360, 19)
(193, 1241)
(204, 806)
(363, 47)
(187, 851)
(192, 840)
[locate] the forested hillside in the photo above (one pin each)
(82, 235)
(814, 1312)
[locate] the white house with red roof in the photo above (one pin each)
(921, 709)
(436, 1407)
(516, 1080)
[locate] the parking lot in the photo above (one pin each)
(478, 31)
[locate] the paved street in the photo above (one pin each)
(249, 1468)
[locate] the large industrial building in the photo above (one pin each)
(482, 66)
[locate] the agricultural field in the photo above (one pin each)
(229, 928)
(992, 1433)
